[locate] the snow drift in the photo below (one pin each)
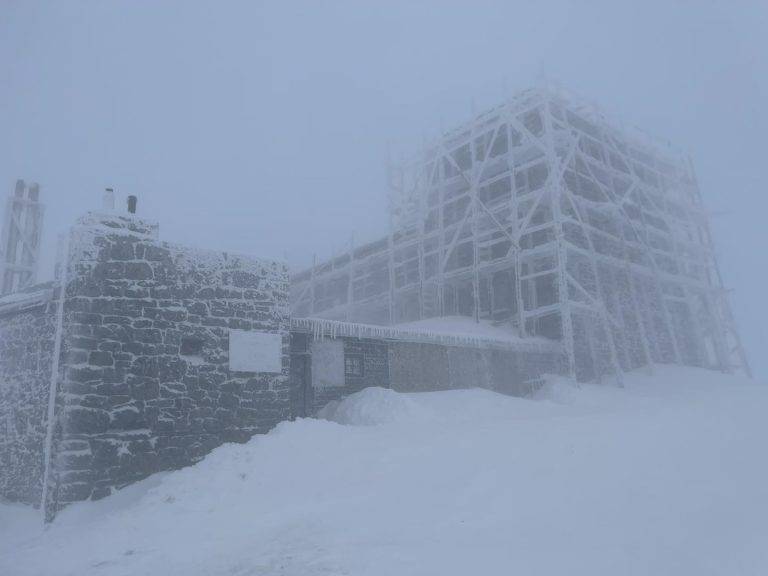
(665, 476)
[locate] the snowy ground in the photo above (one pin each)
(668, 476)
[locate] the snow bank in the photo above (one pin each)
(666, 476)
(373, 406)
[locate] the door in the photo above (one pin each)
(301, 386)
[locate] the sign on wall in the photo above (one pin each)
(327, 363)
(251, 351)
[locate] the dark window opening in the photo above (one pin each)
(191, 346)
(353, 365)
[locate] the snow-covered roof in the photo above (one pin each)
(115, 222)
(448, 331)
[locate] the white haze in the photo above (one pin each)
(263, 127)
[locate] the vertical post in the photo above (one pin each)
(312, 285)
(20, 238)
(440, 168)
(475, 263)
(554, 193)
(636, 311)
(47, 508)
(517, 285)
(725, 320)
(351, 267)
(391, 266)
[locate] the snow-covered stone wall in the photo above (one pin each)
(145, 380)
(26, 353)
(166, 352)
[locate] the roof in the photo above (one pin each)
(443, 331)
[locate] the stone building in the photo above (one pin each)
(143, 356)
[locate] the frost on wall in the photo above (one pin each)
(26, 349)
(145, 383)
(544, 213)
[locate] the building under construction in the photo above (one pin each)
(556, 242)
(20, 238)
(544, 215)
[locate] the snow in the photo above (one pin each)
(448, 330)
(374, 406)
(666, 476)
(464, 326)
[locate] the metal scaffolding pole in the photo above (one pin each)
(20, 238)
(550, 213)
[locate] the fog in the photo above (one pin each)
(264, 128)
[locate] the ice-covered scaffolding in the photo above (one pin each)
(20, 239)
(545, 214)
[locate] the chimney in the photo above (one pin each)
(33, 192)
(108, 199)
(132, 204)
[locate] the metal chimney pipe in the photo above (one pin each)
(132, 200)
(33, 192)
(108, 199)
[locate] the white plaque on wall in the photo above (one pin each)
(327, 363)
(251, 351)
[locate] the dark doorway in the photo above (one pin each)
(301, 386)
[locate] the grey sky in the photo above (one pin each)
(262, 127)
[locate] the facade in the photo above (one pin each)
(330, 360)
(20, 238)
(569, 246)
(544, 215)
(142, 357)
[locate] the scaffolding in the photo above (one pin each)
(544, 214)
(20, 240)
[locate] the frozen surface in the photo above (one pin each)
(667, 476)
(464, 326)
(449, 330)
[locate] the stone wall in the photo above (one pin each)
(145, 383)
(26, 353)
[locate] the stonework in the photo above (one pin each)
(144, 383)
(26, 353)
(166, 352)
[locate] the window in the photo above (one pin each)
(353, 365)
(191, 346)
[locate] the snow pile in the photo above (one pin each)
(373, 406)
(666, 476)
